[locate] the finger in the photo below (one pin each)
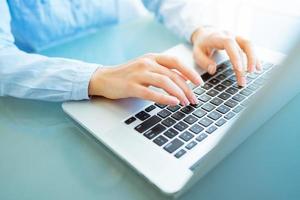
(205, 61)
(250, 53)
(148, 94)
(258, 65)
(165, 83)
(179, 80)
(236, 57)
(173, 63)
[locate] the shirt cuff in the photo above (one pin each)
(81, 81)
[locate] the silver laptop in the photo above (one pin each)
(173, 147)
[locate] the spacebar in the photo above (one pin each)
(147, 124)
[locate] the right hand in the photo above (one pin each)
(134, 78)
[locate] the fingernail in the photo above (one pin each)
(187, 102)
(211, 68)
(196, 101)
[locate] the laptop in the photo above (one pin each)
(174, 146)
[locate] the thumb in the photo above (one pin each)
(204, 61)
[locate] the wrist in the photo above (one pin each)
(199, 32)
(97, 82)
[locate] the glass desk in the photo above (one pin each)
(44, 156)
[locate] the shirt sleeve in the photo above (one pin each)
(182, 17)
(33, 76)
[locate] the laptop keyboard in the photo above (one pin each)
(178, 129)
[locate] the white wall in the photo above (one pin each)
(270, 23)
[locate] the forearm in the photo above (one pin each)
(33, 76)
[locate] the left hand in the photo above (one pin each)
(207, 40)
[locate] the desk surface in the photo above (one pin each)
(44, 156)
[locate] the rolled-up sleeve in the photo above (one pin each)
(183, 17)
(33, 76)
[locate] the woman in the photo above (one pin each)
(26, 26)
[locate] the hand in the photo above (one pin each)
(207, 40)
(134, 78)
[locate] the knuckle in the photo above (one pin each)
(228, 40)
(247, 43)
(150, 55)
(163, 80)
(144, 63)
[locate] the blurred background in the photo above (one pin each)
(278, 20)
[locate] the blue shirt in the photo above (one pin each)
(27, 26)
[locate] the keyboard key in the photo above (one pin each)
(229, 115)
(238, 97)
(224, 96)
(237, 109)
(230, 103)
(206, 76)
(221, 67)
(221, 77)
(232, 90)
(154, 131)
(267, 66)
(228, 72)
(164, 113)
(223, 109)
(170, 133)
(232, 78)
(181, 126)
(147, 124)
(204, 98)
(130, 120)
(227, 83)
(216, 101)
(173, 108)
(150, 108)
(201, 137)
(191, 85)
(190, 119)
(212, 92)
(197, 105)
(191, 145)
(220, 87)
(196, 128)
(235, 85)
(208, 107)
(199, 91)
(246, 92)
(214, 81)
(227, 63)
(160, 105)
(245, 102)
(186, 136)
(178, 115)
(211, 129)
(259, 81)
(199, 113)
(173, 145)
(214, 115)
(207, 86)
(180, 153)
(142, 115)
(205, 122)
(253, 87)
(168, 122)
(220, 122)
(187, 109)
(160, 140)
(252, 75)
